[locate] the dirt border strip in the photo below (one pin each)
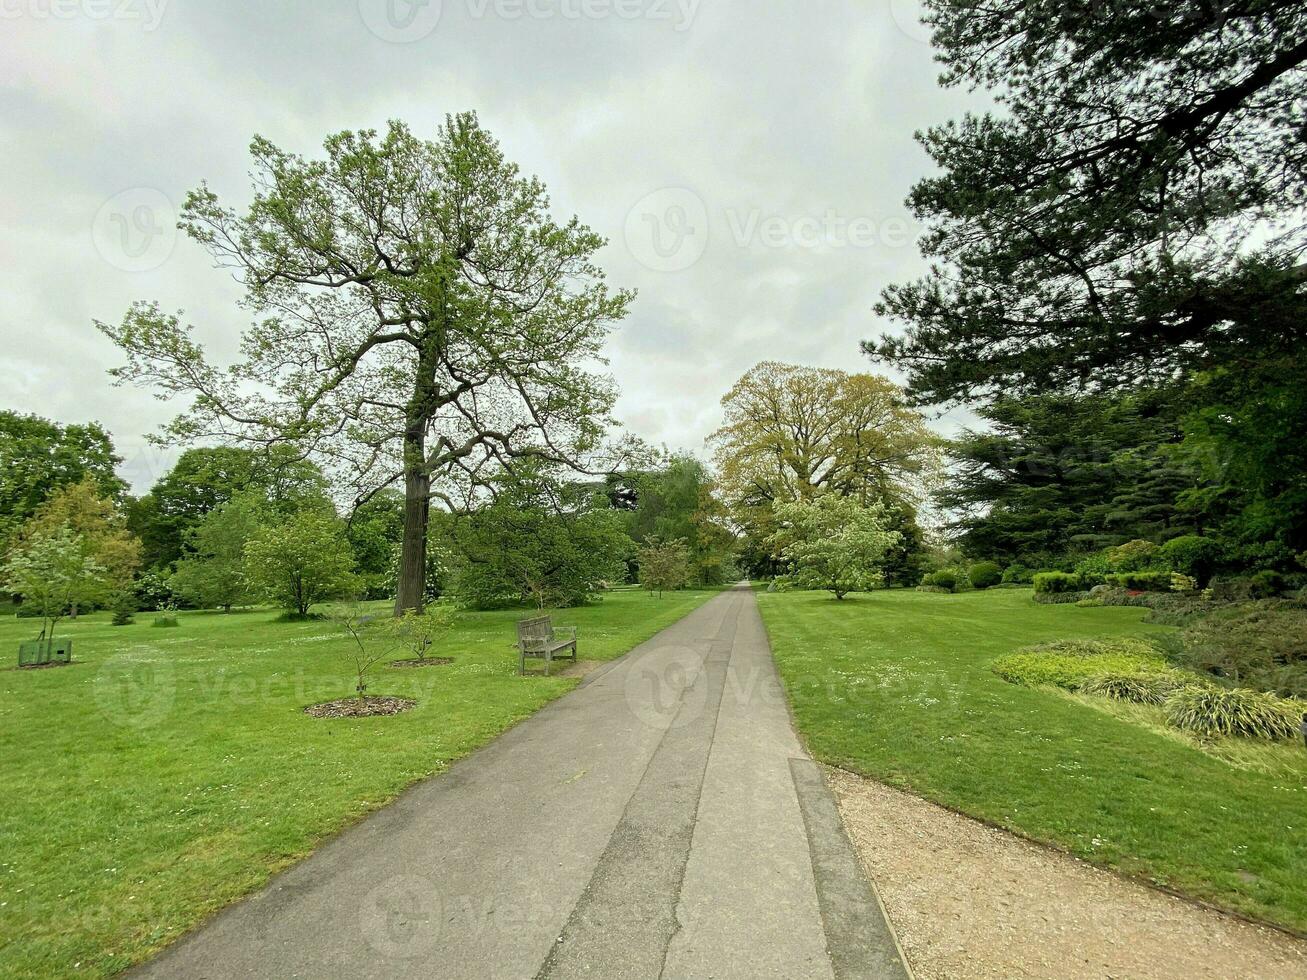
(859, 937)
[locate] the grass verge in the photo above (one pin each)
(166, 773)
(897, 686)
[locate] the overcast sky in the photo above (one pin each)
(747, 161)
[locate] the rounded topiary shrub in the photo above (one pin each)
(945, 578)
(1017, 574)
(1215, 712)
(985, 574)
(1193, 555)
(1054, 583)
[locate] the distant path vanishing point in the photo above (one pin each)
(661, 820)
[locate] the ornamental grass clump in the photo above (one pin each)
(1151, 689)
(1213, 712)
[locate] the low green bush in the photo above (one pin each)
(1055, 583)
(1261, 645)
(165, 621)
(944, 578)
(984, 574)
(1266, 584)
(1060, 598)
(1017, 574)
(1146, 581)
(1134, 556)
(1070, 663)
(1214, 712)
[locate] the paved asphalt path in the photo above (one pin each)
(661, 820)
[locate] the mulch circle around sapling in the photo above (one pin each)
(425, 662)
(367, 707)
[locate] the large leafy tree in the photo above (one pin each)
(98, 525)
(792, 433)
(206, 477)
(423, 321)
(54, 572)
(38, 456)
(1132, 211)
(213, 572)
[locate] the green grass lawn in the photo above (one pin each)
(170, 771)
(897, 686)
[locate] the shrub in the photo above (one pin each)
(1138, 688)
(1060, 598)
(1070, 663)
(1017, 574)
(1261, 646)
(165, 621)
(1054, 583)
(984, 574)
(124, 609)
(1178, 610)
(1134, 556)
(1215, 712)
(1093, 569)
(1150, 581)
(1234, 588)
(1266, 584)
(1193, 555)
(935, 589)
(1114, 595)
(945, 578)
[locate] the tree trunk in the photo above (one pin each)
(412, 587)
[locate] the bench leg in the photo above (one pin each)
(549, 658)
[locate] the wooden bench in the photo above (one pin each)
(539, 639)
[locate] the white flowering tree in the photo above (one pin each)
(832, 542)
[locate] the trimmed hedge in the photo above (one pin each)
(1151, 581)
(1055, 583)
(1018, 574)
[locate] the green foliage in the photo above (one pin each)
(1266, 584)
(301, 560)
(1144, 581)
(1055, 583)
(38, 457)
(664, 565)
(1069, 664)
(1138, 688)
(521, 549)
(418, 632)
(98, 523)
(213, 573)
(1054, 476)
(1261, 646)
(985, 574)
(375, 529)
(206, 477)
(1193, 555)
(1216, 712)
(1134, 556)
(946, 579)
(124, 609)
(1018, 574)
(53, 572)
(833, 543)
